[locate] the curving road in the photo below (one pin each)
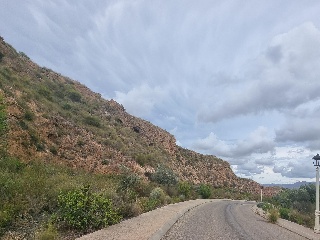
(226, 220)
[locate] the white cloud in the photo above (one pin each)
(141, 101)
(296, 170)
(249, 169)
(283, 77)
(258, 141)
(214, 145)
(301, 126)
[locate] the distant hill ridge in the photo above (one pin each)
(56, 119)
(295, 185)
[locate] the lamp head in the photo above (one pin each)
(316, 161)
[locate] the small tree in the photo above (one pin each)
(205, 191)
(184, 189)
(164, 175)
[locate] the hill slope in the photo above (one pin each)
(56, 119)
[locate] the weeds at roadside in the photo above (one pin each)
(273, 215)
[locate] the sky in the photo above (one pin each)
(236, 79)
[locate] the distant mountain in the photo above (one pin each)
(289, 185)
(55, 119)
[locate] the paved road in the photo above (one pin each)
(226, 220)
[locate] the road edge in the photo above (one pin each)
(166, 227)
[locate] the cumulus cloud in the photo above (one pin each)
(299, 130)
(140, 101)
(296, 170)
(258, 141)
(301, 126)
(249, 169)
(215, 145)
(283, 77)
(293, 162)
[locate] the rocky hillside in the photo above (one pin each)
(56, 119)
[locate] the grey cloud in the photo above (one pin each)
(265, 161)
(257, 142)
(274, 53)
(214, 145)
(296, 170)
(249, 169)
(286, 85)
(299, 130)
(279, 169)
(301, 127)
(314, 145)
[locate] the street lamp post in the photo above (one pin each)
(316, 163)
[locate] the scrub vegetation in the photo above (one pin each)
(47, 199)
(296, 205)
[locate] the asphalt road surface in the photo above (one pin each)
(226, 220)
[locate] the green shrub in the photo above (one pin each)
(6, 219)
(12, 165)
(83, 210)
(22, 54)
(129, 181)
(45, 92)
(66, 106)
(164, 175)
(296, 217)
(205, 191)
(1, 56)
(143, 159)
(260, 204)
(284, 213)
(23, 125)
(93, 121)
(53, 150)
(74, 96)
(267, 206)
(185, 189)
(28, 115)
(273, 215)
(148, 204)
(158, 194)
(172, 190)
